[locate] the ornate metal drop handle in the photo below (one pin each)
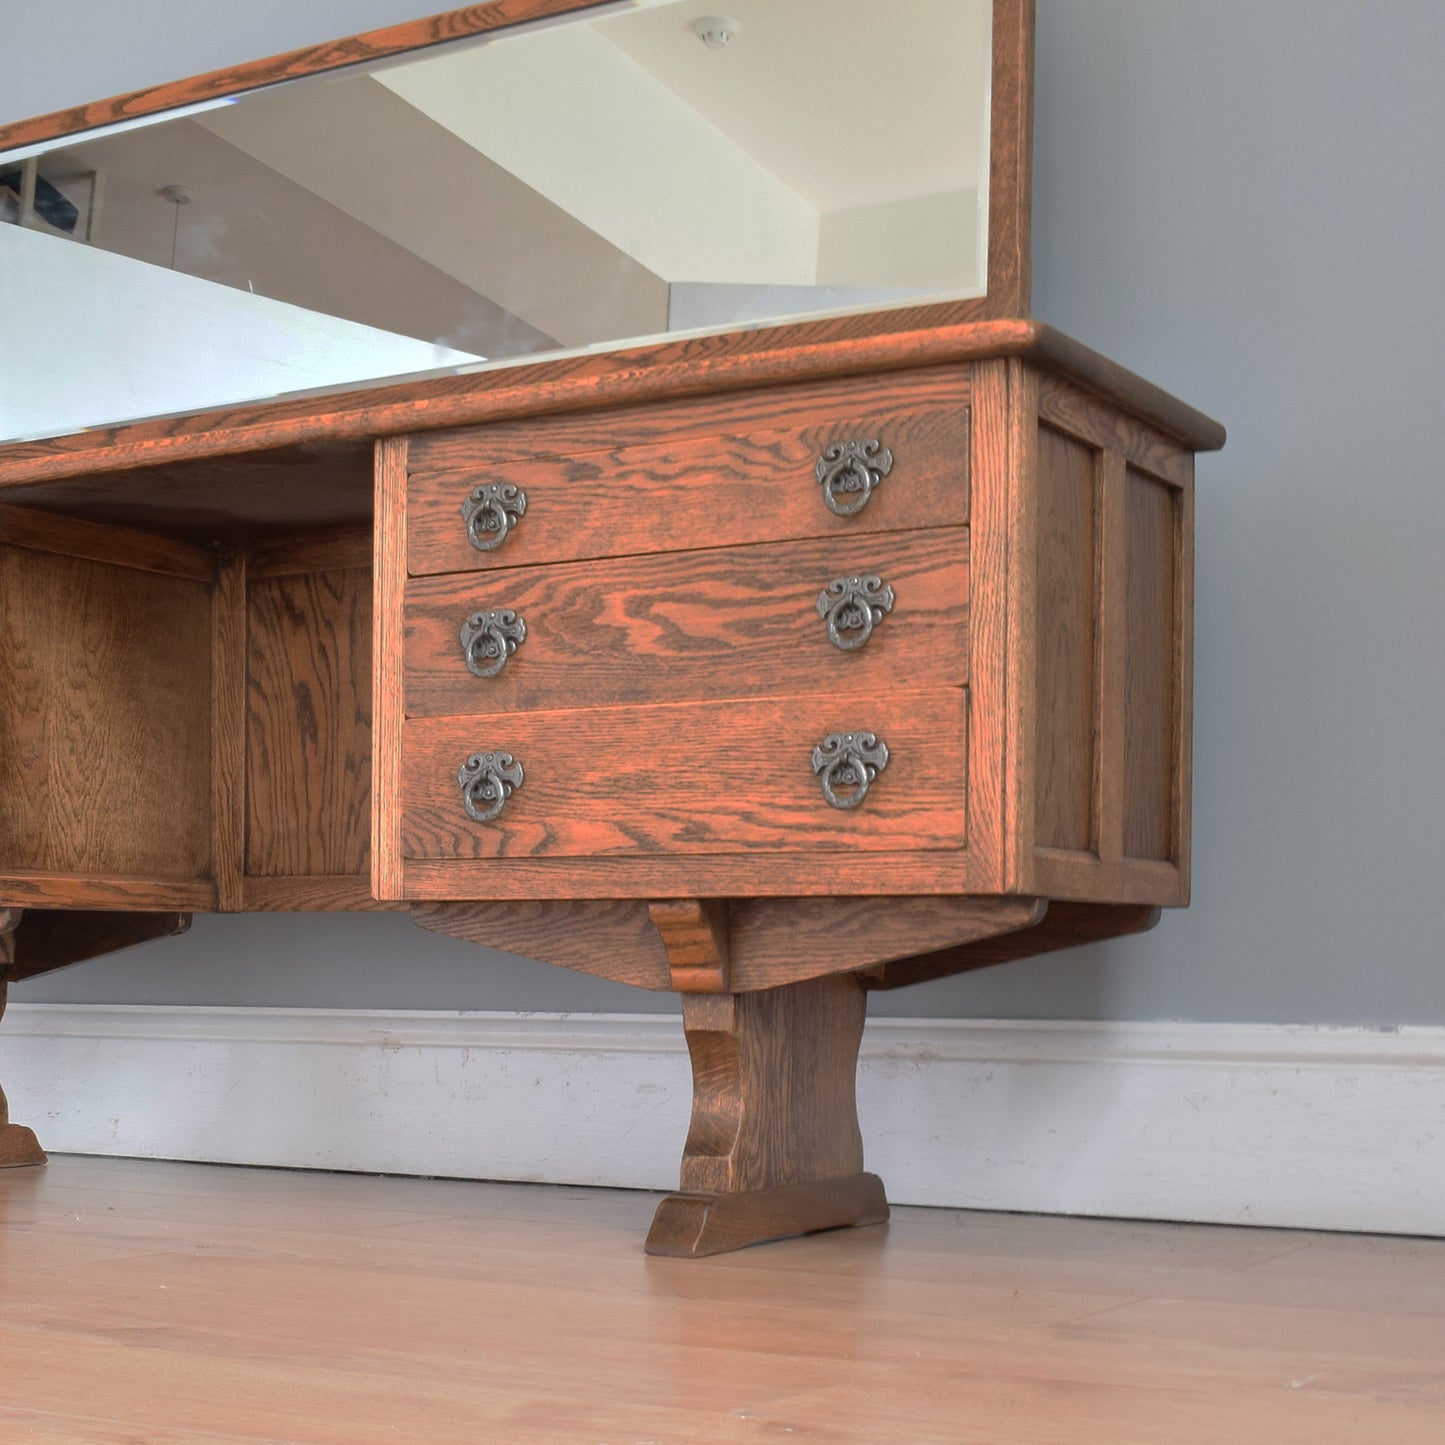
(852, 607)
(490, 638)
(846, 763)
(487, 780)
(491, 511)
(850, 471)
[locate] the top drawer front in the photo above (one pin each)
(717, 472)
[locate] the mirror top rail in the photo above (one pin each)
(236, 80)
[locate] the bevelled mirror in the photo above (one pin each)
(518, 179)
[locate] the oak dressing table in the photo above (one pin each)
(771, 667)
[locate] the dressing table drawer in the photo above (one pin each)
(688, 779)
(856, 614)
(883, 455)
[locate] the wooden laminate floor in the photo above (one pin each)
(156, 1303)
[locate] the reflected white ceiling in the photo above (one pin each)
(831, 96)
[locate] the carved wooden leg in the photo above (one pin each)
(773, 1149)
(18, 1145)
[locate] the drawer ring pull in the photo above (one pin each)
(491, 511)
(849, 472)
(487, 780)
(490, 638)
(852, 607)
(846, 763)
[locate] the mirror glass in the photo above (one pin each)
(624, 173)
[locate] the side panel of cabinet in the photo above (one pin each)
(1113, 552)
(105, 722)
(307, 820)
(302, 614)
(1067, 694)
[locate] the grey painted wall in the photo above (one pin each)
(1245, 202)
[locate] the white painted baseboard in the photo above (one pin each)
(1242, 1124)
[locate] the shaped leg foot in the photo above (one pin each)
(774, 1148)
(689, 1226)
(18, 1145)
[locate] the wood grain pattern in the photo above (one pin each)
(609, 938)
(228, 729)
(771, 941)
(774, 1108)
(991, 547)
(795, 403)
(1079, 877)
(47, 888)
(1066, 407)
(786, 940)
(731, 471)
(1113, 640)
(1052, 927)
(1011, 155)
(261, 494)
(699, 1226)
(308, 733)
(686, 626)
(774, 1086)
(824, 873)
(105, 744)
(694, 934)
(314, 893)
(1124, 753)
(48, 939)
(94, 542)
(334, 549)
(1150, 668)
(272, 444)
(690, 778)
(1021, 632)
(1066, 649)
(388, 648)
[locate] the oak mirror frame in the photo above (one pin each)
(999, 249)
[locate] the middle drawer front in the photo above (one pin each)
(689, 778)
(735, 622)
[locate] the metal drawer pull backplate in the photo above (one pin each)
(846, 763)
(487, 780)
(490, 638)
(849, 471)
(852, 607)
(491, 511)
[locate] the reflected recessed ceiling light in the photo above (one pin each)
(715, 31)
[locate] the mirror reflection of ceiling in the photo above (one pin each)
(575, 183)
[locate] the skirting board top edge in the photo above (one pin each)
(906, 1040)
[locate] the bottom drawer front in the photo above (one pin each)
(690, 778)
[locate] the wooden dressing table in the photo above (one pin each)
(771, 668)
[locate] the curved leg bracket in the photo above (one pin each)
(774, 1148)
